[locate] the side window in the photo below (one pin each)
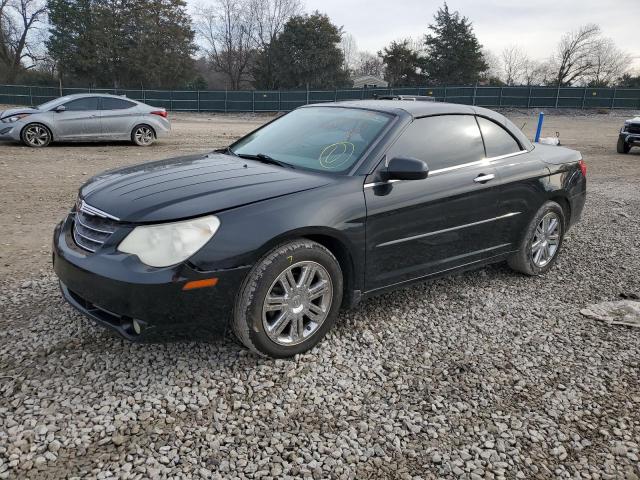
(82, 104)
(109, 103)
(442, 141)
(497, 140)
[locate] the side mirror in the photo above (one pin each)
(60, 108)
(406, 168)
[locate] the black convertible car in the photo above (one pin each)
(317, 210)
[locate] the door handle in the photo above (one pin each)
(482, 178)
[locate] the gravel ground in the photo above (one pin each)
(487, 374)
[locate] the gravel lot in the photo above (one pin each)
(488, 374)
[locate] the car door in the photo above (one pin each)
(80, 119)
(520, 177)
(117, 117)
(417, 228)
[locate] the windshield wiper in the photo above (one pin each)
(261, 157)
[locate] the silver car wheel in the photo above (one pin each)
(36, 135)
(143, 135)
(546, 239)
(297, 303)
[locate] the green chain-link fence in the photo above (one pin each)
(285, 100)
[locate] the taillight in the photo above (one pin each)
(162, 113)
(583, 167)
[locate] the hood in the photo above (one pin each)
(191, 186)
(14, 111)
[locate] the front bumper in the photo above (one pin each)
(114, 289)
(630, 138)
(10, 131)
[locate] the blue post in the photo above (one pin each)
(539, 130)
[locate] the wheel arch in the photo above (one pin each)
(44, 124)
(564, 203)
(333, 241)
(144, 124)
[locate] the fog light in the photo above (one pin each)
(137, 327)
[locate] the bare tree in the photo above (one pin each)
(271, 16)
(228, 30)
(514, 64)
(537, 73)
(369, 64)
(19, 21)
(573, 58)
(609, 63)
(494, 67)
(350, 51)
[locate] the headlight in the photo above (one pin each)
(169, 243)
(15, 118)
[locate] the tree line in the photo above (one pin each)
(269, 44)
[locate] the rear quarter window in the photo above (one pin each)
(115, 103)
(497, 140)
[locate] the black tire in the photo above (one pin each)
(248, 323)
(622, 146)
(143, 135)
(36, 135)
(524, 261)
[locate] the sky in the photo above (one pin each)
(534, 25)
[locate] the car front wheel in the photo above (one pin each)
(143, 135)
(36, 135)
(622, 147)
(541, 242)
(289, 300)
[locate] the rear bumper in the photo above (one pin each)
(106, 288)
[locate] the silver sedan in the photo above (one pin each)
(85, 117)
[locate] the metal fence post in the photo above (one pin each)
(613, 100)
(30, 96)
(171, 100)
(584, 97)
(279, 100)
(475, 88)
(557, 95)
(500, 101)
(445, 93)
(226, 97)
(529, 98)
(144, 95)
(307, 94)
(335, 95)
(253, 101)
(198, 93)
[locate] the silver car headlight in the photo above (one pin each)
(15, 118)
(169, 243)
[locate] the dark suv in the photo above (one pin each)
(629, 135)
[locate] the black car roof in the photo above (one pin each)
(423, 109)
(413, 108)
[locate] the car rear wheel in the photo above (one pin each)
(541, 242)
(289, 300)
(143, 135)
(36, 135)
(623, 147)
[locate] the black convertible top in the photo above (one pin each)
(425, 109)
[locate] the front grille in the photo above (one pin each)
(91, 231)
(633, 128)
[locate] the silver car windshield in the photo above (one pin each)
(51, 103)
(326, 139)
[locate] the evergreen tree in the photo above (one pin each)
(306, 53)
(453, 53)
(122, 43)
(402, 64)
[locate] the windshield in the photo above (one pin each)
(326, 139)
(51, 103)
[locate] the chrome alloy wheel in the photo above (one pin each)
(36, 135)
(143, 135)
(546, 239)
(297, 303)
